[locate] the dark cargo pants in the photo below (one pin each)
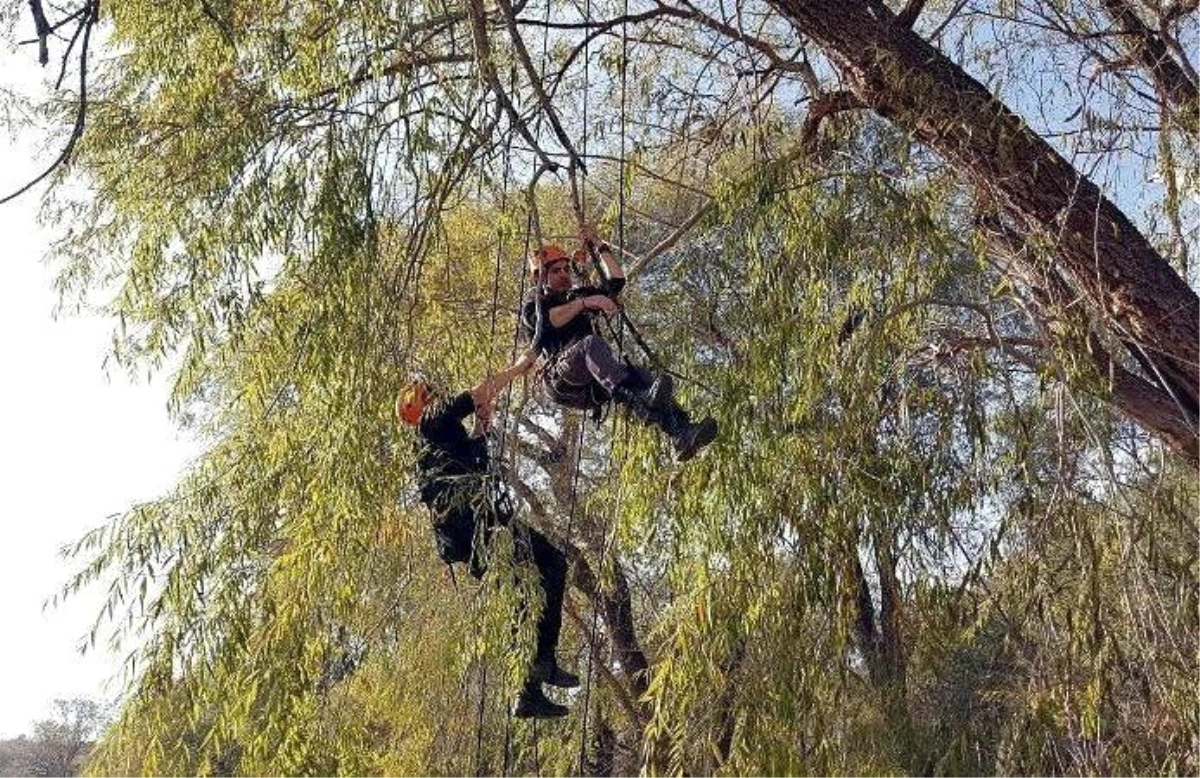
(584, 367)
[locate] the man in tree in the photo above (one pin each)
(580, 369)
(468, 506)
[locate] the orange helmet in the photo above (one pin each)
(546, 255)
(412, 401)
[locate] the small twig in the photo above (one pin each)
(54, 27)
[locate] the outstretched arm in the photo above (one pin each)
(484, 393)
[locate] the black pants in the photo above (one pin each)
(459, 541)
(551, 565)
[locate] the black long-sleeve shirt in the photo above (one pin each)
(555, 339)
(449, 458)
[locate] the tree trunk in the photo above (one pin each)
(891, 655)
(615, 604)
(905, 79)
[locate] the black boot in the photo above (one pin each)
(661, 393)
(533, 703)
(645, 402)
(687, 438)
(548, 671)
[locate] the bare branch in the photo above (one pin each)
(42, 25)
(87, 21)
(694, 14)
(667, 243)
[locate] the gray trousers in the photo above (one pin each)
(583, 367)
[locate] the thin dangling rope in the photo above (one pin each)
(479, 720)
(608, 535)
(491, 488)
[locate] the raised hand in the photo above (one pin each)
(587, 233)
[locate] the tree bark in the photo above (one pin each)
(616, 608)
(1173, 84)
(891, 655)
(906, 80)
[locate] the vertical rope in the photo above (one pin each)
(507, 743)
(479, 720)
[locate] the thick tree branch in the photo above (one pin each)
(637, 714)
(908, 16)
(42, 25)
(616, 607)
(1147, 401)
(1104, 256)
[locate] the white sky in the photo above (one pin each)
(75, 447)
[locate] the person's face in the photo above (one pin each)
(558, 276)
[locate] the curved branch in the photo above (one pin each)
(823, 107)
(89, 18)
(487, 68)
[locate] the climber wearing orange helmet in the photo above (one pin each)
(580, 369)
(468, 505)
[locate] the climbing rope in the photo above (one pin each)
(579, 204)
(534, 227)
